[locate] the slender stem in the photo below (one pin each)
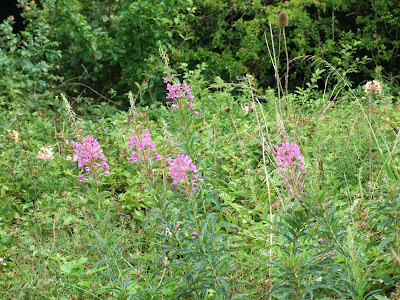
(287, 75)
(51, 251)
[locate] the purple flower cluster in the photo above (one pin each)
(144, 144)
(90, 154)
(179, 168)
(288, 154)
(179, 91)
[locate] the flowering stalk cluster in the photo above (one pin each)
(142, 143)
(90, 154)
(288, 155)
(178, 91)
(179, 169)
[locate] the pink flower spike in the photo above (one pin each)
(81, 181)
(180, 167)
(196, 113)
(89, 153)
(165, 79)
(195, 234)
(142, 145)
(106, 173)
(288, 155)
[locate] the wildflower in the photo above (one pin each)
(373, 86)
(177, 225)
(14, 136)
(89, 154)
(178, 92)
(179, 168)
(248, 108)
(167, 231)
(354, 205)
(144, 144)
(288, 155)
(195, 234)
(70, 158)
(46, 153)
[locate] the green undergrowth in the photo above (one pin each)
(243, 233)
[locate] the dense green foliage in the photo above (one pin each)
(107, 45)
(244, 224)
(229, 37)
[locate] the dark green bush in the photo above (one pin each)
(229, 36)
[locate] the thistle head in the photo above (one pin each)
(283, 19)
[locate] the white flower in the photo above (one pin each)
(354, 204)
(70, 158)
(13, 135)
(167, 231)
(248, 108)
(373, 86)
(46, 153)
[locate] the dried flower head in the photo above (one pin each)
(283, 19)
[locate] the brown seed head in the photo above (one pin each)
(283, 19)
